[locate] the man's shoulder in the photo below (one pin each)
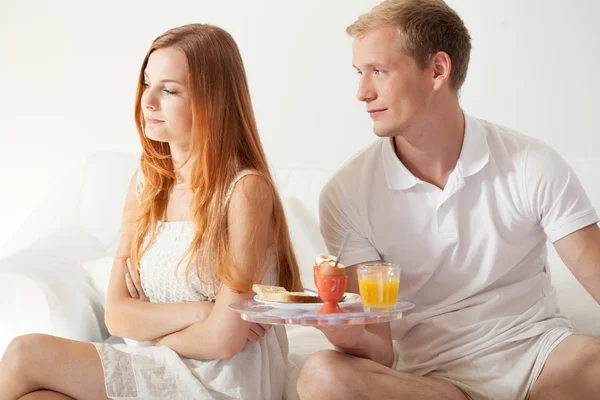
(503, 141)
(355, 167)
(503, 134)
(355, 170)
(510, 149)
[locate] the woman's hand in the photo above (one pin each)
(133, 283)
(257, 331)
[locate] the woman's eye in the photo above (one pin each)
(167, 91)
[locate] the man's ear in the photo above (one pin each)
(441, 66)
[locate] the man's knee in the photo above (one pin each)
(577, 374)
(323, 372)
(588, 370)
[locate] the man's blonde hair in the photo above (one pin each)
(425, 27)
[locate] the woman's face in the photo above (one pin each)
(165, 101)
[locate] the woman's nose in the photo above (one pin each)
(149, 100)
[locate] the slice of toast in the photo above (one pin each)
(281, 295)
(261, 290)
(291, 297)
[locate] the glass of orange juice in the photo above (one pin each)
(379, 284)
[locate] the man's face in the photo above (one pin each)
(395, 90)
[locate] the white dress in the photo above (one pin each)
(258, 371)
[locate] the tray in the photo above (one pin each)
(354, 314)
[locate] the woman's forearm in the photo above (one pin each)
(204, 341)
(143, 321)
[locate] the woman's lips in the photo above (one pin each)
(153, 121)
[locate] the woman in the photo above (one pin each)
(202, 223)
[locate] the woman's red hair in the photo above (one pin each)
(224, 141)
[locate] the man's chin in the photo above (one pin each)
(381, 132)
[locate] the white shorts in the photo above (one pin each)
(504, 371)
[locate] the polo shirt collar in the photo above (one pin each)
(473, 157)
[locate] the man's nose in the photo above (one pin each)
(365, 90)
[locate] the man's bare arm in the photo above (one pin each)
(580, 251)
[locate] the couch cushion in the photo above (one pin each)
(98, 270)
(59, 299)
(105, 183)
(23, 307)
(300, 189)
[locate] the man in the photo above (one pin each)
(465, 207)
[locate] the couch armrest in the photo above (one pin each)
(55, 295)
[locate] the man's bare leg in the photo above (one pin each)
(329, 374)
(41, 362)
(572, 371)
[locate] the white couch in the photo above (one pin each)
(56, 285)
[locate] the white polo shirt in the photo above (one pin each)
(473, 255)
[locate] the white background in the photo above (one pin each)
(68, 73)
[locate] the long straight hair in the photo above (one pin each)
(225, 141)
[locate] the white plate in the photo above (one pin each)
(351, 298)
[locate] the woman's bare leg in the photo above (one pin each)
(42, 362)
(45, 395)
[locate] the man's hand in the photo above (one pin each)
(133, 283)
(373, 341)
(344, 336)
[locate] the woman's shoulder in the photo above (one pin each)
(243, 173)
(254, 182)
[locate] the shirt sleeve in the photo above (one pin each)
(338, 217)
(555, 194)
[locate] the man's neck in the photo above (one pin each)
(431, 151)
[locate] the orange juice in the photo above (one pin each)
(379, 291)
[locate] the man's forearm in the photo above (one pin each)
(589, 277)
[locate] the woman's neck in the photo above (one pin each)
(182, 165)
